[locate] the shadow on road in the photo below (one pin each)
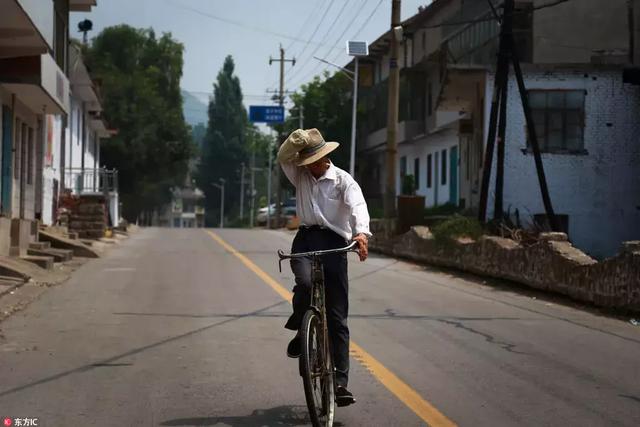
(114, 361)
(287, 415)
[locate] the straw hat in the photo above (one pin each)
(315, 147)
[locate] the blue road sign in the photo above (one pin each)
(266, 114)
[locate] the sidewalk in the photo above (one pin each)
(15, 294)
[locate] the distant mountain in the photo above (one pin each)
(195, 110)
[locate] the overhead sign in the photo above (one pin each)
(266, 114)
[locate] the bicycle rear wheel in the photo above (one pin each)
(317, 371)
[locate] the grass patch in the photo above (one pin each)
(457, 226)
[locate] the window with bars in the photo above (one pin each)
(558, 116)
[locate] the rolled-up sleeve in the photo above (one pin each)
(354, 198)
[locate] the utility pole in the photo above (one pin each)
(301, 117)
(392, 117)
(242, 192)
(269, 173)
(508, 54)
(252, 212)
(352, 161)
(282, 61)
(221, 188)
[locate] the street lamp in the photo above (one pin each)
(355, 49)
(221, 187)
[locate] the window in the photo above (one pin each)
(430, 99)
(443, 168)
(559, 119)
(416, 172)
(403, 166)
(429, 170)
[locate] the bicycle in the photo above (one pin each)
(315, 363)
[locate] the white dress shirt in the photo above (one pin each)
(334, 200)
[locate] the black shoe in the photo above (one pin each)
(344, 397)
(293, 349)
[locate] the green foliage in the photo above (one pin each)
(408, 185)
(327, 103)
(376, 212)
(140, 87)
(457, 226)
(228, 142)
(198, 132)
(446, 209)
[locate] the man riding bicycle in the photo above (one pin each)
(332, 211)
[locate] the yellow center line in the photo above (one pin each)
(407, 395)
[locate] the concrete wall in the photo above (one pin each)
(571, 32)
(599, 190)
(552, 264)
(41, 14)
(52, 166)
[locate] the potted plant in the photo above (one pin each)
(410, 206)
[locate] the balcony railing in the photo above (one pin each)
(91, 181)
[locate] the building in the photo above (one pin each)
(50, 122)
(82, 175)
(33, 83)
(186, 209)
(585, 113)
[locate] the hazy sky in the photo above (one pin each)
(259, 26)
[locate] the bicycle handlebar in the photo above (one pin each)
(353, 247)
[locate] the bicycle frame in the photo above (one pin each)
(323, 370)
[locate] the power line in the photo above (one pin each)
(495, 17)
(344, 5)
(307, 21)
(355, 35)
(243, 25)
(312, 35)
(340, 37)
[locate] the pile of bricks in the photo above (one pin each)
(89, 217)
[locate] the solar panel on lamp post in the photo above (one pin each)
(356, 49)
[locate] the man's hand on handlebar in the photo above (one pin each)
(363, 245)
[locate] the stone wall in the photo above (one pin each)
(552, 264)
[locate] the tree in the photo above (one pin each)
(225, 144)
(326, 102)
(198, 132)
(140, 86)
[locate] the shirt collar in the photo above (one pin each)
(331, 173)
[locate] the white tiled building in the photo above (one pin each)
(588, 119)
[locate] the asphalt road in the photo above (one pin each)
(175, 328)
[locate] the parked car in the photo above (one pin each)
(288, 211)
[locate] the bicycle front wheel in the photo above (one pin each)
(317, 371)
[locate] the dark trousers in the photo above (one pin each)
(336, 292)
